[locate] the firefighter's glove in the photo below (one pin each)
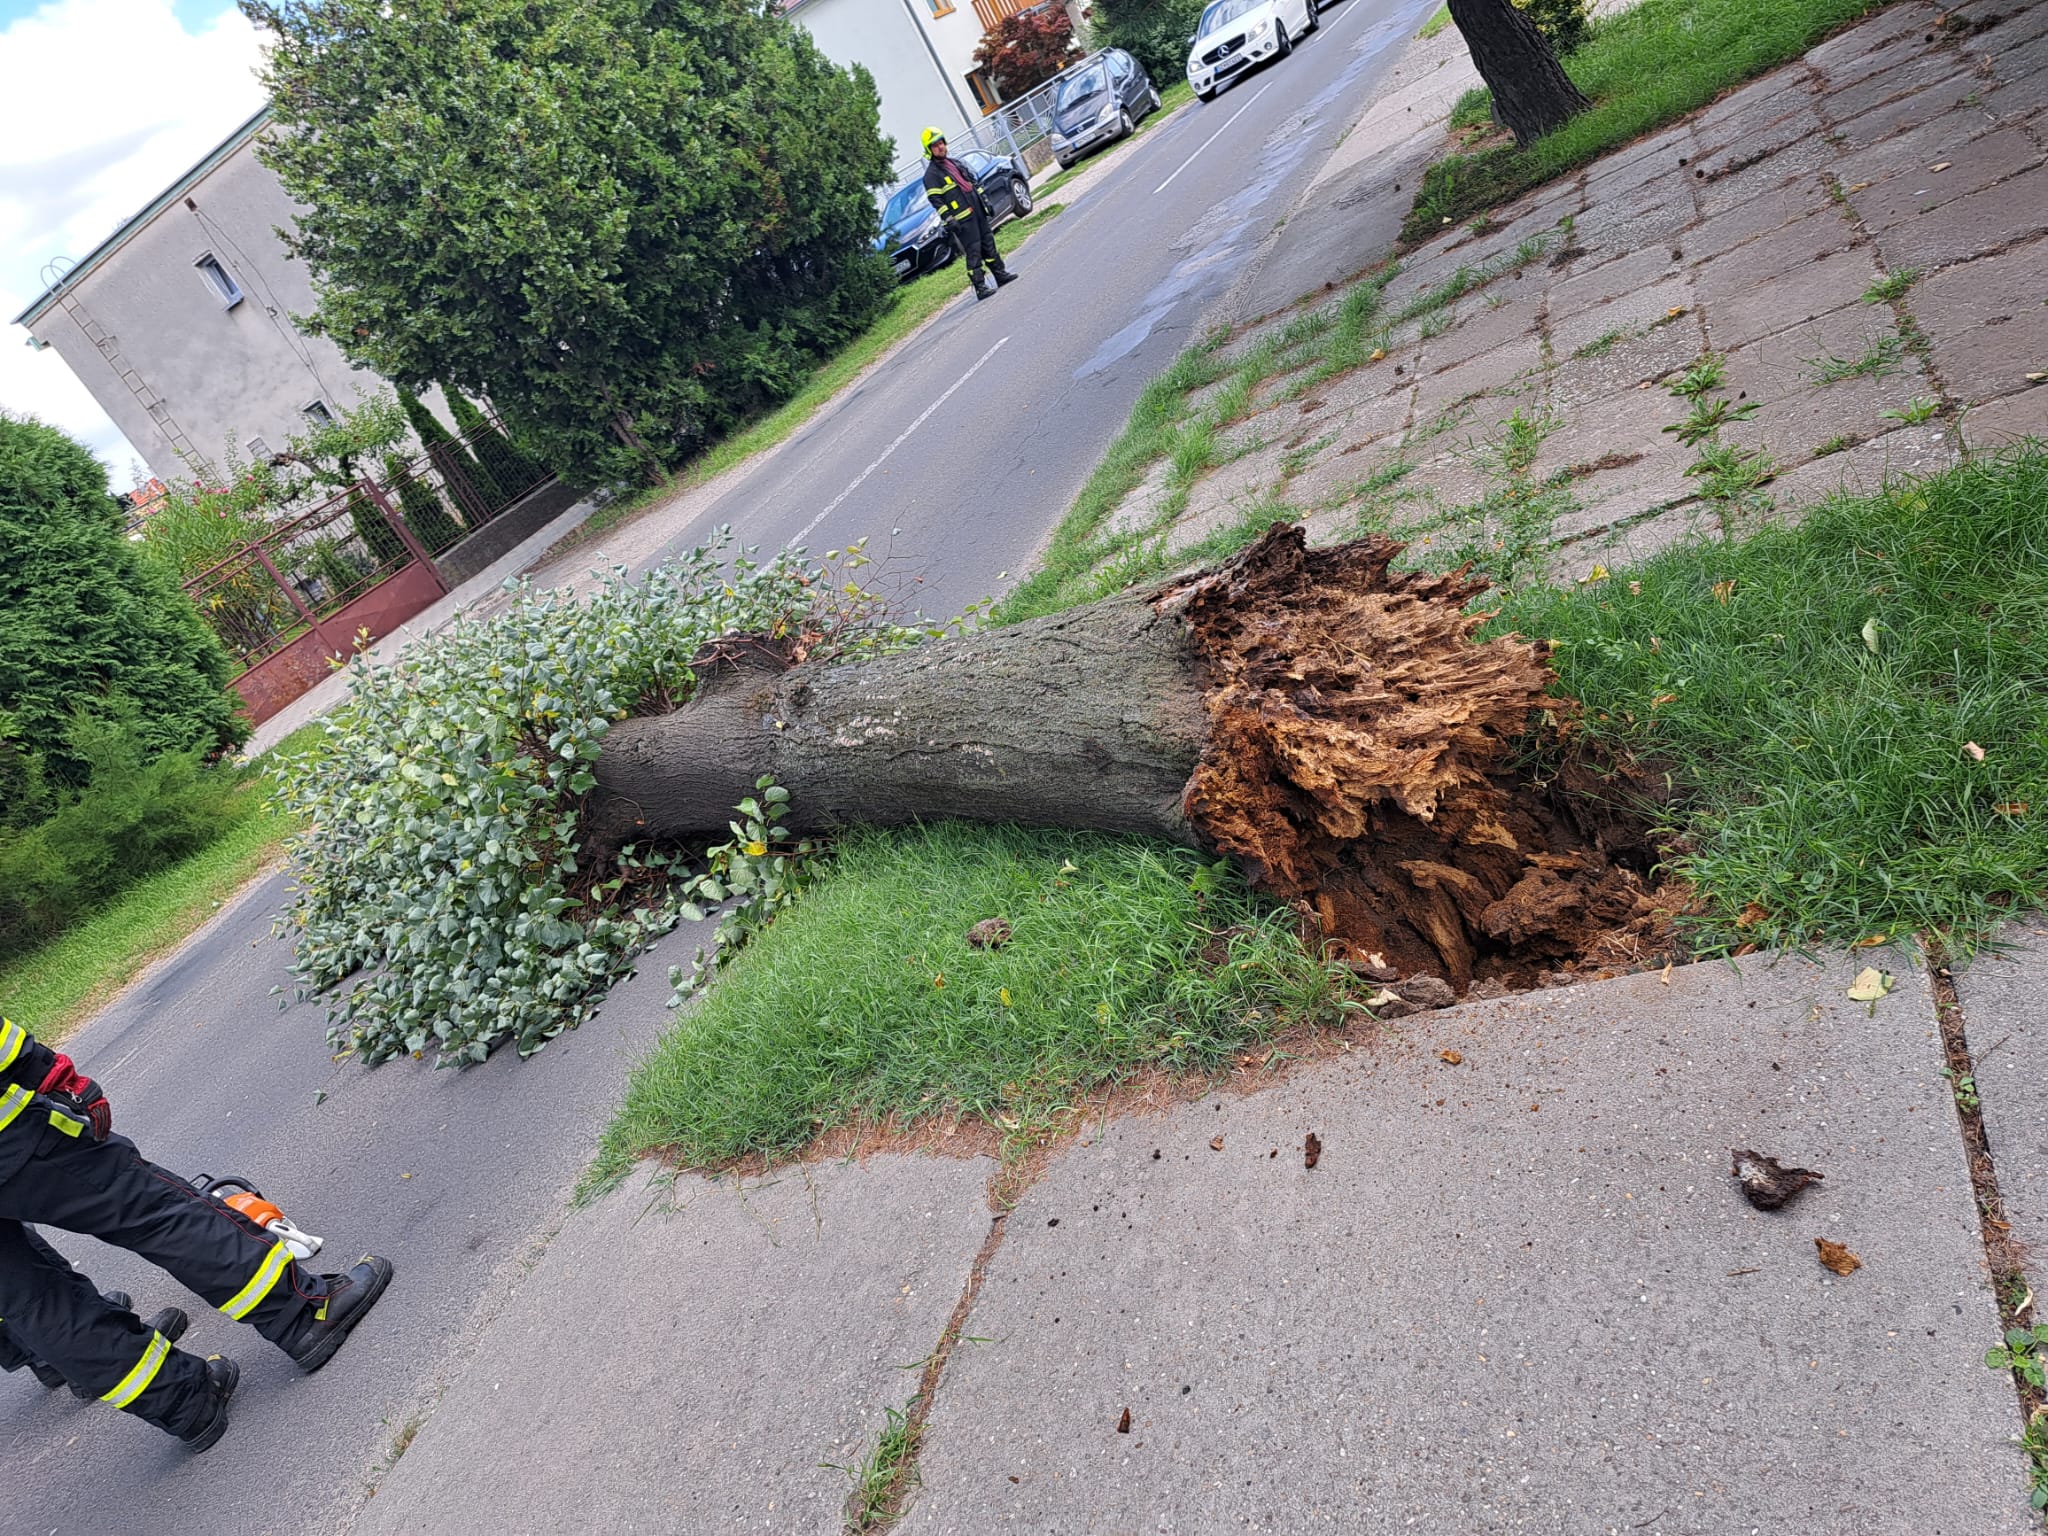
(78, 1095)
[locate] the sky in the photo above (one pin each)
(103, 103)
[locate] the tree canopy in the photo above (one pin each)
(87, 628)
(629, 222)
(1027, 49)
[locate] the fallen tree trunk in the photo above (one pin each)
(1323, 719)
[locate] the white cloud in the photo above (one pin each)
(103, 103)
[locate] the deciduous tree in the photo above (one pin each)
(629, 222)
(1027, 49)
(1532, 95)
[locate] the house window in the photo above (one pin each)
(317, 413)
(984, 91)
(216, 277)
(940, 7)
(259, 451)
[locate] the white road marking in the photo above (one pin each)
(1240, 112)
(901, 437)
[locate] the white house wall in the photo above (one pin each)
(224, 374)
(882, 35)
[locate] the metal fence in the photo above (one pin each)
(306, 569)
(1019, 128)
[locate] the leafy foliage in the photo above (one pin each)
(136, 813)
(1027, 49)
(1562, 22)
(1154, 32)
(86, 627)
(632, 223)
(443, 897)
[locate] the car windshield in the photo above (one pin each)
(908, 198)
(1223, 12)
(1076, 89)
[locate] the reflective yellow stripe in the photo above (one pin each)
(65, 1123)
(244, 1301)
(12, 1103)
(11, 1037)
(133, 1384)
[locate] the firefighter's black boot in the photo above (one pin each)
(983, 288)
(349, 1296)
(222, 1377)
(1004, 276)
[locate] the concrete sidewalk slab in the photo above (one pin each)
(1521, 1292)
(2005, 1013)
(685, 1355)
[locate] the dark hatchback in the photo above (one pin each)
(1098, 101)
(914, 237)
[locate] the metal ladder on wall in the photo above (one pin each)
(109, 347)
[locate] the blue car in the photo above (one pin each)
(912, 235)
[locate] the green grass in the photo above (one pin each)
(914, 303)
(1814, 694)
(1438, 20)
(1879, 357)
(56, 988)
(1600, 345)
(1892, 288)
(865, 1000)
(1641, 69)
(877, 1480)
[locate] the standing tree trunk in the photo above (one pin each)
(1321, 718)
(1532, 95)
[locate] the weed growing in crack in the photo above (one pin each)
(1732, 476)
(1892, 288)
(1879, 357)
(1729, 476)
(1915, 411)
(1704, 375)
(1434, 325)
(1297, 459)
(2034, 1444)
(1707, 417)
(879, 1478)
(2024, 1353)
(1836, 445)
(1600, 345)
(1469, 279)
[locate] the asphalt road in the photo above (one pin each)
(969, 444)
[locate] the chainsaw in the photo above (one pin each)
(240, 1195)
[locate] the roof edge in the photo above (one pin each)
(99, 253)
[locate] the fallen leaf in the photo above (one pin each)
(1974, 750)
(1941, 165)
(1766, 1182)
(1123, 1425)
(1598, 573)
(2011, 808)
(1834, 1256)
(1450, 1058)
(1635, 589)
(1674, 312)
(1871, 941)
(1857, 186)
(1377, 354)
(1215, 1143)
(1723, 590)
(1750, 916)
(2035, 378)
(1381, 998)
(1666, 977)
(1311, 1150)
(939, 980)
(1004, 994)
(1664, 698)
(1870, 634)
(1870, 984)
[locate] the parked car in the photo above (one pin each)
(1098, 101)
(1236, 35)
(912, 233)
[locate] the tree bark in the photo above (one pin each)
(1321, 718)
(1532, 95)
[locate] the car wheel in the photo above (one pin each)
(1064, 163)
(1154, 99)
(1284, 47)
(1020, 195)
(1315, 17)
(1123, 124)
(1209, 95)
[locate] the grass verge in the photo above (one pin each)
(57, 987)
(1438, 20)
(914, 304)
(865, 1004)
(1641, 69)
(1853, 712)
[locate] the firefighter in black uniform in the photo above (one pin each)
(965, 211)
(171, 1322)
(61, 1166)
